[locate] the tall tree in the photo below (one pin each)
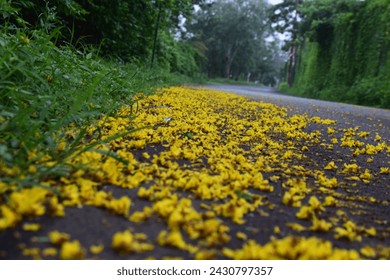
(124, 28)
(234, 33)
(286, 20)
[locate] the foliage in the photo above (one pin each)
(178, 56)
(344, 51)
(234, 34)
(122, 28)
(46, 90)
(284, 18)
(283, 87)
(372, 91)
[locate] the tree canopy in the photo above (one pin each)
(123, 28)
(235, 35)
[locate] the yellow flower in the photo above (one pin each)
(56, 209)
(277, 230)
(296, 192)
(205, 255)
(141, 216)
(58, 238)
(175, 151)
(305, 212)
(236, 208)
(320, 225)
(296, 227)
(31, 227)
(24, 39)
(241, 235)
(176, 218)
(135, 180)
(96, 249)
(372, 150)
(49, 252)
(371, 231)
(350, 168)
(32, 252)
(238, 152)
(330, 166)
(366, 176)
(29, 201)
(290, 248)
(368, 252)
(324, 181)
(146, 155)
(120, 206)
(126, 242)
(72, 250)
(329, 201)
(8, 218)
(140, 236)
(315, 204)
(349, 232)
(71, 195)
(353, 178)
(363, 134)
(32, 169)
(173, 238)
(122, 241)
(384, 170)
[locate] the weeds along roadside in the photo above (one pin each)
(50, 95)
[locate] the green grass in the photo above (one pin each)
(45, 89)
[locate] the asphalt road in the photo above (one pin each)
(349, 117)
(360, 216)
(345, 114)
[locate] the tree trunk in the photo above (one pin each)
(155, 35)
(291, 66)
(293, 48)
(228, 62)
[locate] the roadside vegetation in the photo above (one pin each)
(338, 50)
(51, 80)
(87, 103)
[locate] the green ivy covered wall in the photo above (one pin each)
(344, 54)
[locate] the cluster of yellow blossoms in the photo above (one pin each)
(291, 248)
(206, 162)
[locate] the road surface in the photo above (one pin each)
(344, 113)
(218, 176)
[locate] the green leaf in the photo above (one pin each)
(188, 135)
(244, 195)
(112, 155)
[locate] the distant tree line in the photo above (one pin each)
(237, 40)
(219, 38)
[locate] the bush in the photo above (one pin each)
(373, 91)
(283, 87)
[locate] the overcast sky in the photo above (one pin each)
(275, 1)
